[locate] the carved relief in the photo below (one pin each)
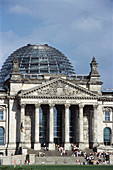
(59, 89)
(85, 127)
(85, 135)
(27, 129)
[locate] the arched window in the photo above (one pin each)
(1, 136)
(107, 136)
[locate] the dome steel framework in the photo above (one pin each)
(38, 59)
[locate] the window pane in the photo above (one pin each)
(107, 136)
(107, 116)
(1, 115)
(1, 136)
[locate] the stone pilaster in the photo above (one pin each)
(12, 127)
(51, 127)
(95, 116)
(67, 143)
(81, 143)
(100, 119)
(37, 145)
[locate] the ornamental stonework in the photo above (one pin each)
(27, 136)
(85, 128)
(59, 89)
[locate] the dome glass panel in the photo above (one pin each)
(38, 59)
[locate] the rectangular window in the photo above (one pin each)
(1, 115)
(107, 116)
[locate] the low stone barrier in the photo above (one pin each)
(111, 159)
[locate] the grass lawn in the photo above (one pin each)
(59, 167)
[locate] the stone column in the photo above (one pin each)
(77, 126)
(95, 118)
(67, 143)
(91, 129)
(81, 143)
(51, 127)
(37, 145)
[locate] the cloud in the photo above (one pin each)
(17, 9)
(80, 29)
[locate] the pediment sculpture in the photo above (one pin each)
(58, 88)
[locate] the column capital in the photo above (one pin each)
(37, 105)
(22, 105)
(51, 105)
(81, 105)
(95, 106)
(6, 106)
(103, 109)
(67, 105)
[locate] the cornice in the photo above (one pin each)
(106, 99)
(11, 97)
(57, 97)
(95, 83)
(3, 97)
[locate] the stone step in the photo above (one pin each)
(48, 153)
(59, 160)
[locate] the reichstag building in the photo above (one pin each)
(43, 101)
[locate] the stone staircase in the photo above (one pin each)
(48, 153)
(88, 151)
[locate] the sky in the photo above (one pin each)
(80, 29)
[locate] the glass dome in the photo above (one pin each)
(38, 59)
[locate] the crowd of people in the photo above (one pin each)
(90, 158)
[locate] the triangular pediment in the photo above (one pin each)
(58, 88)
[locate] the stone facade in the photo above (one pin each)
(78, 104)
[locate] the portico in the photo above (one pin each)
(63, 123)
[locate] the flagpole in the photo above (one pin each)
(21, 128)
(22, 147)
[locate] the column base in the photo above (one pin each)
(67, 146)
(11, 148)
(82, 146)
(11, 145)
(24, 151)
(10, 151)
(51, 146)
(95, 145)
(37, 146)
